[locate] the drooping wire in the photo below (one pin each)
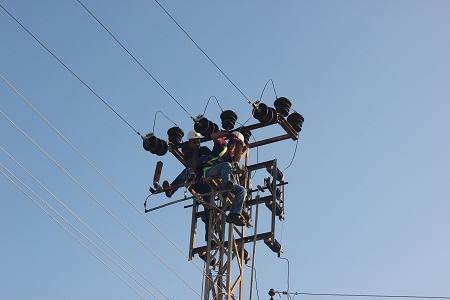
(82, 222)
(256, 282)
(293, 156)
(96, 169)
(134, 58)
(101, 205)
(207, 103)
(288, 272)
(207, 56)
(154, 120)
(273, 86)
(68, 69)
(72, 235)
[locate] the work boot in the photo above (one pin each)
(166, 186)
(235, 219)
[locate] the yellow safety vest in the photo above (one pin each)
(210, 163)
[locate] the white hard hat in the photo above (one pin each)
(192, 135)
(237, 136)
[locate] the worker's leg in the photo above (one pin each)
(238, 201)
(222, 169)
(181, 178)
(237, 205)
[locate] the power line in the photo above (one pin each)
(101, 205)
(95, 169)
(134, 58)
(361, 295)
(71, 234)
(82, 222)
(207, 56)
(68, 69)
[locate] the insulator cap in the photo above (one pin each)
(296, 120)
(205, 127)
(229, 119)
(280, 175)
(278, 210)
(265, 114)
(282, 105)
(175, 135)
(275, 246)
(260, 111)
(154, 145)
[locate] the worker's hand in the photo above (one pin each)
(191, 176)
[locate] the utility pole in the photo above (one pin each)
(224, 254)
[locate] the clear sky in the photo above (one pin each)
(367, 204)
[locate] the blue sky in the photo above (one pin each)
(367, 202)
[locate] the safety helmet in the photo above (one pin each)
(192, 135)
(236, 136)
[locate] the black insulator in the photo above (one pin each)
(282, 105)
(215, 127)
(278, 209)
(154, 145)
(150, 142)
(260, 112)
(280, 175)
(159, 147)
(271, 292)
(201, 125)
(228, 118)
(175, 135)
(162, 150)
(205, 127)
(274, 246)
(296, 120)
(269, 186)
(271, 116)
(212, 127)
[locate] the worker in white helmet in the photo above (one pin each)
(194, 150)
(220, 164)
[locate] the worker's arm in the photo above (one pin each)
(219, 134)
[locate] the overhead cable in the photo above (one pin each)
(68, 69)
(134, 58)
(101, 205)
(82, 222)
(207, 56)
(361, 295)
(71, 234)
(98, 171)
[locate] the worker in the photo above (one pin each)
(193, 152)
(220, 164)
